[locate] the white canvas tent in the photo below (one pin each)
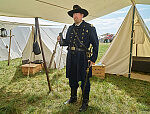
(56, 10)
(117, 56)
(49, 38)
(18, 42)
(21, 31)
(22, 35)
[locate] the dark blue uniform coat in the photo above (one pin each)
(77, 61)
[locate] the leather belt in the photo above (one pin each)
(75, 49)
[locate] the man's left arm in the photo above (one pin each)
(95, 43)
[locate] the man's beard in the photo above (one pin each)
(77, 21)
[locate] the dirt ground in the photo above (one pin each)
(140, 76)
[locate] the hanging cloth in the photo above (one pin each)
(36, 47)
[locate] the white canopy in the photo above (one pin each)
(56, 10)
(117, 56)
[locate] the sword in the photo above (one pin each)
(87, 72)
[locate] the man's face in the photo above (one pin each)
(77, 17)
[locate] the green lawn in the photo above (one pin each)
(29, 94)
(102, 49)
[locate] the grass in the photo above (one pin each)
(102, 49)
(21, 94)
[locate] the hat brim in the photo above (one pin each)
(83, 11)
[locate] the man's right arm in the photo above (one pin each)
(64, 42)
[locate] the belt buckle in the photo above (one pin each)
(73, 48)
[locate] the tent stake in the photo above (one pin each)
(131, 44)
(45, 67)
(9, 49)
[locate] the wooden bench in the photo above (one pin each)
(31, 68)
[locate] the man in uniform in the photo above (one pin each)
(78, 39)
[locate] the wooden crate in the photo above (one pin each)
(98, 71)
(31, 68)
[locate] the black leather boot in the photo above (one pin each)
(85, 101)
(73, 97)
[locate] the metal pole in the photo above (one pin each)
(131, 44)
(9, 49)
(37, 23)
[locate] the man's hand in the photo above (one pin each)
(91, 63)
(58, 38)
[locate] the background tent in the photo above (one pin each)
(18, 42)
(117, 56)
(56, 10)
(49, 38)
(20, 36)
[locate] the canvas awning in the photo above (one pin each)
(56, 10)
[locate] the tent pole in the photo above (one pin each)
(9, 49)
(32, 56)
(45, 67)
(131, 44)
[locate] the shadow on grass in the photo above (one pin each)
(74, 109)
(19, 75)
(96, 79)
(55, 77)
(7, 103)
(138, 89)
(16, 102)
